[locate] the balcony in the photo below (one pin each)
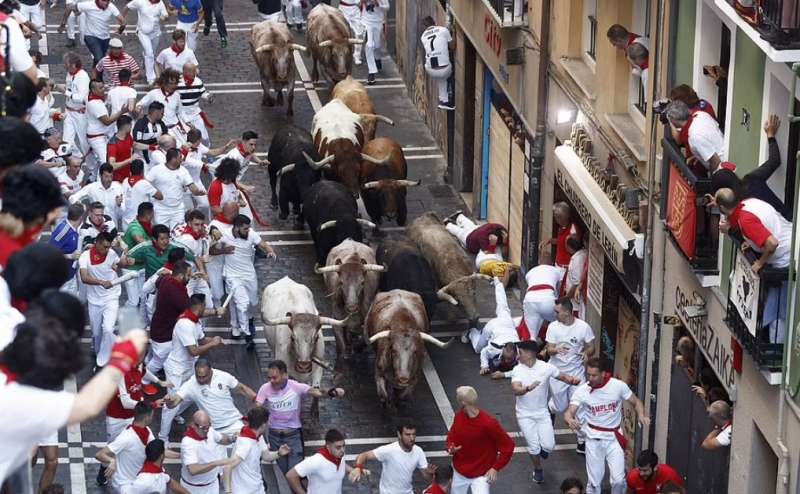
(773, 25)
(509, 13)
(749, 307)
(692, 228)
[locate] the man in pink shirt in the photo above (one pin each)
(282, 397)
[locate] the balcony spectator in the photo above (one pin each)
(699, 133)
(687, 94)
(650, 475)
(720, 437)
(685, 349)
(562, 216)
(720, 76)
(621, 38)
(639, 57)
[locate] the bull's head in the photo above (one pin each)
(351, 279)
(389, 193)
(281, 58)
(306, 330)
(406, 349)
(340, 54)
(463, 291)
(324, 163)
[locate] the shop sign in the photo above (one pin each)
(708, 339)
(682, 212)
(744, 293)
(594, 282)
(491, 34)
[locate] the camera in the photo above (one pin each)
(660, 109)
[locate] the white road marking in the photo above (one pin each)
(311, 91)
(437, 389)
(424, 157)
(420, 439)
(313, 97)
(258, 83)
(77, 474)
(272, 233)
(444, 454)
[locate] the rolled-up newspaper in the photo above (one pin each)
(125, 277)
(227, 301)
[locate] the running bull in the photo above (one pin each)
(354, 95)
(384, 175)
(330, 41)
(273, 50)
(407, 269)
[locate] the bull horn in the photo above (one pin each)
(364, 222)
(295, 46)
(278, 322)
(285, 169)
(327, 269)
(380, 334)
(327, 224)
(336, 323)
(432, 339)
(375, 161)
(408, 183)
(325, 43)
(316, 165)
(355, 41)
(266, 47)
(382, 118)
(443, 295)
(371, 185)
(374, 267)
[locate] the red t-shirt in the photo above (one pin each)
(172, 299)
(484, 444)
(133, 383)
(562, 255)
(664, 474)
(121, 150)
(434, 489)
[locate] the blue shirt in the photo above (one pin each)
(188, 10)
(65, 239)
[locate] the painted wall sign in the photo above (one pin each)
(491, 34)
(744, 293)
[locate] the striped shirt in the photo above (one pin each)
(110, 68)
(190, 96)
(147, 132)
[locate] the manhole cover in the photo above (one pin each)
(440, 191)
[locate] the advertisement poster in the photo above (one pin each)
(682, 212)
(744, 292)
(626, 367)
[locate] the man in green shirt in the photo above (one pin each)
(153, 255)
(138, 232)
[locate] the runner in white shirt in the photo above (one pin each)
(98, 269)
(188, 343)
(570, 341)
(192, 90)
(211, 389)
(373, 16)
(171, 179)
(71, 177)
(602, 398)
(243, 474)
(98, 16)
(195, 162)
(167, 95)
(216, 259)
(125, 454)
(19, 58)
(398, 460)
(203, 455)
(325, 470)
(76, 91)
(436, 42)
(136, 190)
(352, 12)
(244, 154)
(176, 55)
(97, 123)
(194, 237)
(497, 332)
(530, 383)
(544, 282)
(123, 94)
(152, 479)
(106, 191)
(150, 14)
(241, 282)
(42, 111)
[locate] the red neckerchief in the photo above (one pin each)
(190, 432)
(433, 489)
(150, 467)
(632, 37)
(491, 249)
(10, 376)
(727, 165)
(644, 65)
(72, 72)
(248, 433)
(19, 304)
(101, 227)
(188, 314)
(606, 378)
(126, 84)
(188, 230)
(185, 152)
(95, 256)
(148, 227)
(328, 456)
(94, 97)
(142, 432)
(684, 132)
(133, 179)
(159, 252)
(168, 265)
(174, 47)
(189, 81)
(242, 151)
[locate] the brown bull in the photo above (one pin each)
(330, 41)
(354, 95)
(398, 326)
(383, 178)
(272, 49)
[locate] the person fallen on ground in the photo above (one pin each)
(489, 237)
(243, 473)
(497, 332)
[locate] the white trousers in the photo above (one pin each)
(215, 281)
(353, 16)
(35, 15)
(75, 130)
(598, 453)
(199, 285)
(169, 414)
(114, 427)
(461, 484)
(441, 75)
(212, 488)
(294, 12)
(537, 308)
(99, 147)
(191, 36)
(244, 302)
(462, 227)
(170, 217)
(149, 42)
(159, 351)
(102, 319)
(133, 288)
(538, 432)
(373, 46)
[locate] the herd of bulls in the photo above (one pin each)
(385, 296)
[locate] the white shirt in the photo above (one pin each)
(724, 436)
(28, 415)
(149, 15)
(76, 89)
(129, 452)
(185, 333)
(142, 191)
(171, 184)
(68, 184)
(157, 157)
(377, 15)
(705, 138)
(194, 452)
(19, 58)
(397, 467)
(436, 41)
(534, 402)
(246, 476)
(218, 261)
(96, 192)
(215, 398)
(41, 113)
(501, 329)
(98, 21)
(96, 294)
(239, 264)
(119, 96)
(149, 483)
(95, 109)
(776, 224)
(575, 272)
(323, 476)
(544, 274)
(194, 163)
(171, 60)
(196, 246)
(244, 162)
(172, 104)
(602, 406)
(573, 338)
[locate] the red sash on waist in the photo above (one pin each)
(534, 288)
(620, 438)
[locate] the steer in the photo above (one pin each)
(331, 43)
(351, 277)
(355, 96)
(384, 181)
(397, 325)
(293, 329)
(272, 49)
(407, 269)
(338, 135)
(289, 168)
(332, 216)
(454, 271)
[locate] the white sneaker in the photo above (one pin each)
(357, 62)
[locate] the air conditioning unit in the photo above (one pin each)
(515, 56)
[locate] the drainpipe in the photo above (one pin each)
(538, 151)
(647, 275)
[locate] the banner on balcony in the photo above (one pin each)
(744, 292)
(682, 212)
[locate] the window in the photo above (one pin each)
(641, 25)
(590, 29)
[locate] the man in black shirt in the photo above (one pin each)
(148, 128)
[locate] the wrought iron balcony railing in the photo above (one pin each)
(778, 21)
(510, 12)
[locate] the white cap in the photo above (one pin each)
(115, 43)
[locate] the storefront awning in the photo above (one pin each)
(605, 223)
